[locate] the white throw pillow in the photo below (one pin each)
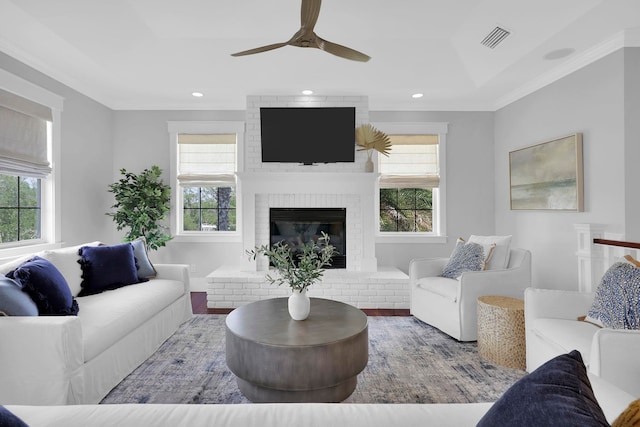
(66, 261)
(500, 257)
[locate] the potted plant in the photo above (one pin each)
(369, 138)
(142, 202)
(297, 270)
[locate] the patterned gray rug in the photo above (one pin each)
(409, 362)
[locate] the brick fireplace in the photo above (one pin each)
(286, 185)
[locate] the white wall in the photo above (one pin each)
(590, 101)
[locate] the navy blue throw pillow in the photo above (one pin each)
(46, 286)
(557, 394)
(9, 419)
(107, 267)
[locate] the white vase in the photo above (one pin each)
(299, 305)
(368, 166)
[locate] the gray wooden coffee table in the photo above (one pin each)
(278, 359)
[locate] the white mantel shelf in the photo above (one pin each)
(386, 288)
(308, 182)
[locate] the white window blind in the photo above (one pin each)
(412, 162)
(206, 160)
(23, 136)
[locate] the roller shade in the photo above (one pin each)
(23, 136)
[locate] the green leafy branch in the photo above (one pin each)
(298, 271)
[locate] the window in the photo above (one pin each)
(29, 213)
(206, 163)
(20, 208)
(411, 197)
(206, 174)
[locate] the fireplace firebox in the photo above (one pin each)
(296, 226)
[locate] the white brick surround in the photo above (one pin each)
(335, 185)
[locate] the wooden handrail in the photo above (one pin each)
(631, 245)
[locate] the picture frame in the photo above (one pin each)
(548, 175)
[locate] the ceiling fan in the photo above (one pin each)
(306, 37)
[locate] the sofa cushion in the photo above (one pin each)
(8, 419)
(145, 268)
(14, 302)
(558, 393)
(107, 267)
(109, 316)
(565, 335)
(46, 286)
(500, 258)
(466, 256)
(66, 261)
(617, 301)
(442, 286)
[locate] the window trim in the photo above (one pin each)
(440, 234)
(203, 127)
(51, 218)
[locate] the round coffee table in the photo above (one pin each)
(278, 359)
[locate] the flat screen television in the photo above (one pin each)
(308, 135)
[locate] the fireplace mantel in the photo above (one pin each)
(308, 182)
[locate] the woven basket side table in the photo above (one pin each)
(501, 337)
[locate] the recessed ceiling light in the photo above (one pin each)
(197, 94)
(417, 95)
(559, 53)
(307, 92)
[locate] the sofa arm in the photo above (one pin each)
(41, 359)
(614, 357)
(179, 272)
(555, 304)
(425, 267)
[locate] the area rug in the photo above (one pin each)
(409, 362)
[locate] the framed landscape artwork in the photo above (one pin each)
(548, 176)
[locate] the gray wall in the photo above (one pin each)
(469, 175)
(601, 100)
(591, 101)
(86, 158)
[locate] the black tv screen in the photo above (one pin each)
(308, 135)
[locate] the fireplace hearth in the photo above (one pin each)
(297, 226)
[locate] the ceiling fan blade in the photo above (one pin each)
(341, 51)
(259, 49)
(309, 14)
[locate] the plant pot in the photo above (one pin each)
(299, 305)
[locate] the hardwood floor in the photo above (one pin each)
(199, 304)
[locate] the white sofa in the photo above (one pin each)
(451, 304)
(612, 400)
(58, 360)
(552, 328)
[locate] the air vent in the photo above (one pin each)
(495, 37)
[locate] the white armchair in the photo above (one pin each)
(552, 328)
(451, 305)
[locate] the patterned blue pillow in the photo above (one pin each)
(466, 256)
(617, 301)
